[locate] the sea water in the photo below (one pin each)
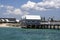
(29, 34)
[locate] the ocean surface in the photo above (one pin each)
(29, 34)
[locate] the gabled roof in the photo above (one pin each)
(7, 19)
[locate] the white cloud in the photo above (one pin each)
(25, 13)
(9, 7)
(1, 6)
(50, 4)
(5, 6)
(42, 6)
(17, 11)
(12, 10)
(28, 5)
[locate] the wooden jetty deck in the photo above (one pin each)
(44, 25)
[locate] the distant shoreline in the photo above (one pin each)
(10, 27)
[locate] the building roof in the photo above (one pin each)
(33, 17)
(7, 19)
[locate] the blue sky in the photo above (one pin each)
(17, 8)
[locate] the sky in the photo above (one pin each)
(18, 8)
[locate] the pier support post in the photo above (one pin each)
(59, 26)
(48, 26)
(39, 26)
(55, 27)
(51, 26)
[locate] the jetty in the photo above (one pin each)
(31, 21)
(36, 21)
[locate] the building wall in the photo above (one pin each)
(27, 23)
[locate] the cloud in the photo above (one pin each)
(12, 10)
(42, 6)
(9, 7)
(5, 6)
(16, 11)
(50, 4)
(28, 5)
(1, 6)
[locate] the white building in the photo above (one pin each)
(30, 20)
(31, 17)
(5, 20)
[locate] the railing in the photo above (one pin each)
(49, 22)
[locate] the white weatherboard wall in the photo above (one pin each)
(33, 17)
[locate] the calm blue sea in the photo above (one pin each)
(29, 34)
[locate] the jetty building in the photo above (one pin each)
(30, 21)
(36, 21)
